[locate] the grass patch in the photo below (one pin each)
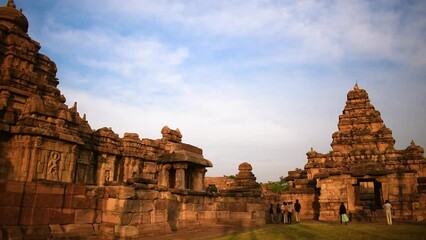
(332, 230)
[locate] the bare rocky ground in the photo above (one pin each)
(201, 232)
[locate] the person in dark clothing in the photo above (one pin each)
(342, 210)
(271, 213)
(278, 213)
(297, 208)
(373, 212)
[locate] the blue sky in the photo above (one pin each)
(246, 81)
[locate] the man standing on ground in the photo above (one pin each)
(290, 211)
(297, 208)
(388, 210)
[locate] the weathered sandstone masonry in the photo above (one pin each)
(362, 170)
(61, 179)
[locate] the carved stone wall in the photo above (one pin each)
(61, 179)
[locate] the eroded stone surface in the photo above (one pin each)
(61, 179)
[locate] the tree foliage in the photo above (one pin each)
(278, 186)
(233, 177)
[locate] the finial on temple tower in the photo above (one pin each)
(356, 85)
(10, 4)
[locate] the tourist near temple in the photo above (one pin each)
(59, 178)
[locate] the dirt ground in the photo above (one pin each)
(200, 232)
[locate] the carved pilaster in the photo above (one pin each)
(180, 175)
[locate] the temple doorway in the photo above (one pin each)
(368, 193)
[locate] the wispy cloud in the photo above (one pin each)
(259, 80)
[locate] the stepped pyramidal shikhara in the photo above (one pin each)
(363, 169)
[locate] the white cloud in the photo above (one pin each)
(256, 81)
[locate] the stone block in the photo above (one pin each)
(259, 215)
(50, 189)
(68, 201)
(122, 205)
(146, 194)
(35, 216)
(111, 217)
(12, 187)
(126, 231)
(121, 192)
(61, 216)
(9, 216)
(222, 214)
(83, 202)
(205, 215)
(116, 218)
(145, 218)
(79, 230)
(12, 232)
(36, 232)
(146, 205)
(55, 229)
(85, 216)
(160, 204)
(163, 195)
(240, 215)
(43, 200)
(208, 207)
(11, 199)
(75, 189)
(188, 216)
(255, 207)
(107, 229)
(160, 216)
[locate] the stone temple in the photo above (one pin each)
(363, 169)
(60, 179)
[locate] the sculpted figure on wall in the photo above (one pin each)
(53, 166)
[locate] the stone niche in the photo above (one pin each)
(363, 169)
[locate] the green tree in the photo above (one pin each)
(278, 186)
(233, 177)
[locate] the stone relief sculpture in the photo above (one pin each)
(107, 176)
(53, 166)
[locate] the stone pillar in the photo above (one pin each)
(350, 192)
(180, 175)
(198, 181)
(163, 177)
(105, 168)
(36, 153)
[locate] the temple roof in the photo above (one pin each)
(186, 156)
(13, 18)
(360, 125)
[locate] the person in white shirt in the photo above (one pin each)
(388, 209)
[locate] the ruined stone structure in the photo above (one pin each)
(60, 178)
(362, 170)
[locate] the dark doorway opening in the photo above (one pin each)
(172, 178)
(368, 194)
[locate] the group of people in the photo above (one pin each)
(283, 213)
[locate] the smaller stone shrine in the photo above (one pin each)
(362, 170)
(245, 181)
